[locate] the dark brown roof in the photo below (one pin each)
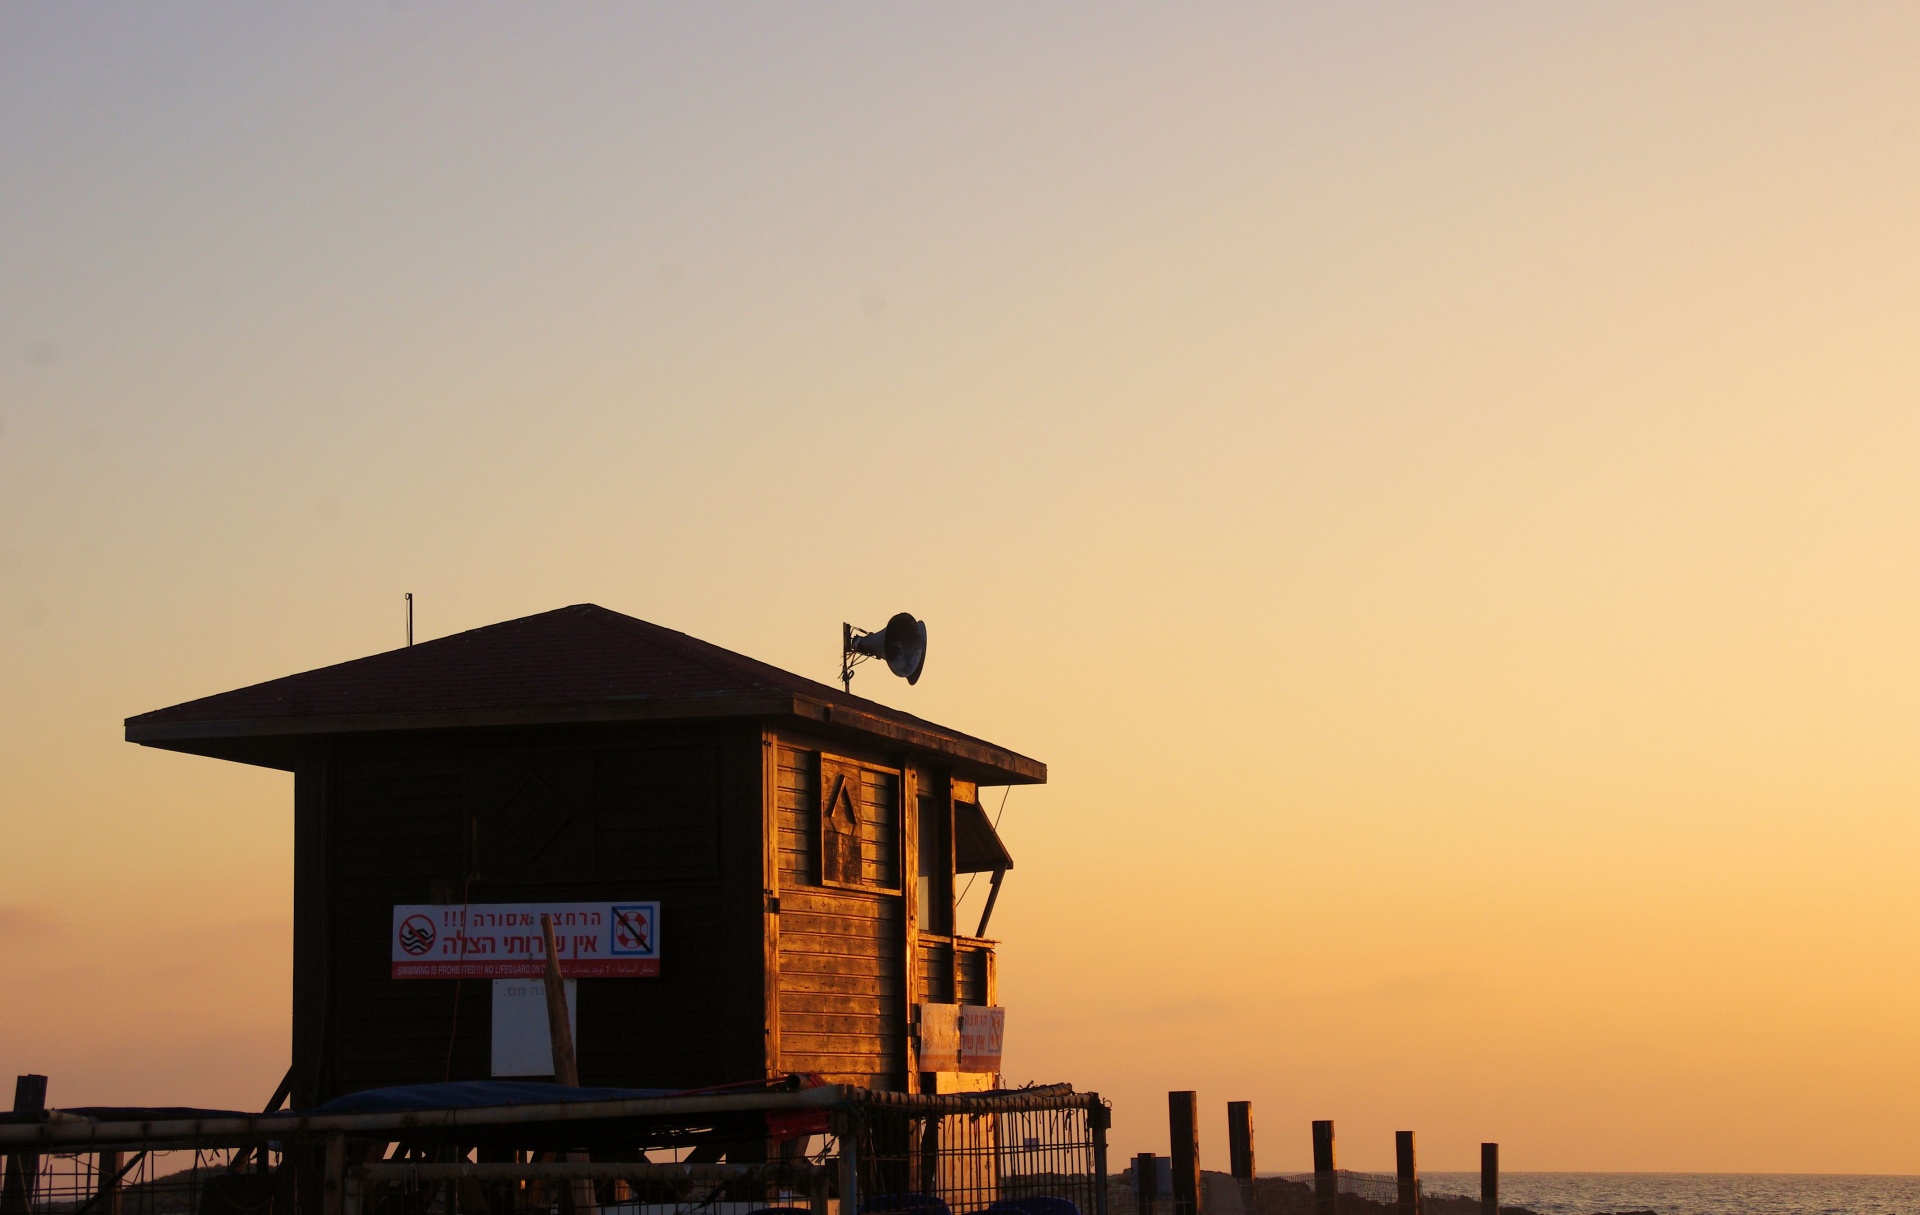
(575, 664)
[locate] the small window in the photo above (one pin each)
(840, 851)
(859, 825)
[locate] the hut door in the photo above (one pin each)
(839, 824)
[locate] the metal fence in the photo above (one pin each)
(823, 1151)
(1039, 1152)
(217, 1181)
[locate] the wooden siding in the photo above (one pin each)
(614, 814)
(935, 984)
(972, 975)
(399, 830)
(657, 813)
(841, 967)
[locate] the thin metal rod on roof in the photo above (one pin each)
(409, 617)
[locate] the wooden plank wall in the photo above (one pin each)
(561, 816)
(398, 830)
(842, 982)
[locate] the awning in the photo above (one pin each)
(976, 845)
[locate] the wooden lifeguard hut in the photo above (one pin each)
(751, 873)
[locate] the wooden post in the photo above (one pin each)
(1183, 1128)
(333, 1185)
(1408, 1174)
(23, 1170)
(1100, 1121)
(1240, 1139)
(1146, 1180)
(566, 1069)
(817, 1193)
(847, 1130)
(1490, 1179)
(106, 1198)
(352, 1196)
(1326, 1179)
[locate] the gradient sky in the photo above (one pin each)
(1436, 482)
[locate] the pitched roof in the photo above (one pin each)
(574, 664)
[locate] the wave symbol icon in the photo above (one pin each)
(416, 934)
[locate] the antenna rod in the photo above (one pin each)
(409, 617)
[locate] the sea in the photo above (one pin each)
(1694, 1193)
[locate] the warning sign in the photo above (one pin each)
(504, 941)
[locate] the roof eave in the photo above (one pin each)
(238, 739)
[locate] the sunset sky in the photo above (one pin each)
(1439, 484)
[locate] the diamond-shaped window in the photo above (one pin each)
(532, 819)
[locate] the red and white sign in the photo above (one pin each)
(961, 1037)
(504, 940)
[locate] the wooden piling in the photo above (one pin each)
(1146, 1180)
(1408, 1175)
(1489, 1179)
(1326, 1179)
(1240, 1139)
(1183, 1128)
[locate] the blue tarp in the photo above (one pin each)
(473, 1094)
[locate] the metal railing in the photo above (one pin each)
(829, 1150)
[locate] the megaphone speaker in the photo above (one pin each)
(903, 643)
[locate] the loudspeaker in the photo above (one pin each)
(903, 643)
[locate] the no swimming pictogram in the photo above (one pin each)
(416, 934)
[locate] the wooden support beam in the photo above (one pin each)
(1146, 1180)
(334, 1177)
(106, 1194)
(566, 1067)
(993, 896)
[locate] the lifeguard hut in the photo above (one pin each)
(751, 873)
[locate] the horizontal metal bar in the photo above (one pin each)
(1050, 1097)
(256, 1128)
(408, 1171)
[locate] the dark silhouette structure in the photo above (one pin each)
(801, 843)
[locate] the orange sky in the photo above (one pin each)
(1438, 485)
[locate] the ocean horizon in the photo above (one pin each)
(1694, 1193)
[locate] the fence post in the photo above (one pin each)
(106, 1198)
(23, 1170)
(847, 1130)
(1099, 1118)
(1409, 1175)
(1183, 1128)
(351, 1193)
(333, 1185)
(1326, 1180)
(1146, 1180)
(817, 1193)
(1240, 1139)
(1490, 1179)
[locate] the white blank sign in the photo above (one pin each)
(522, 1045)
